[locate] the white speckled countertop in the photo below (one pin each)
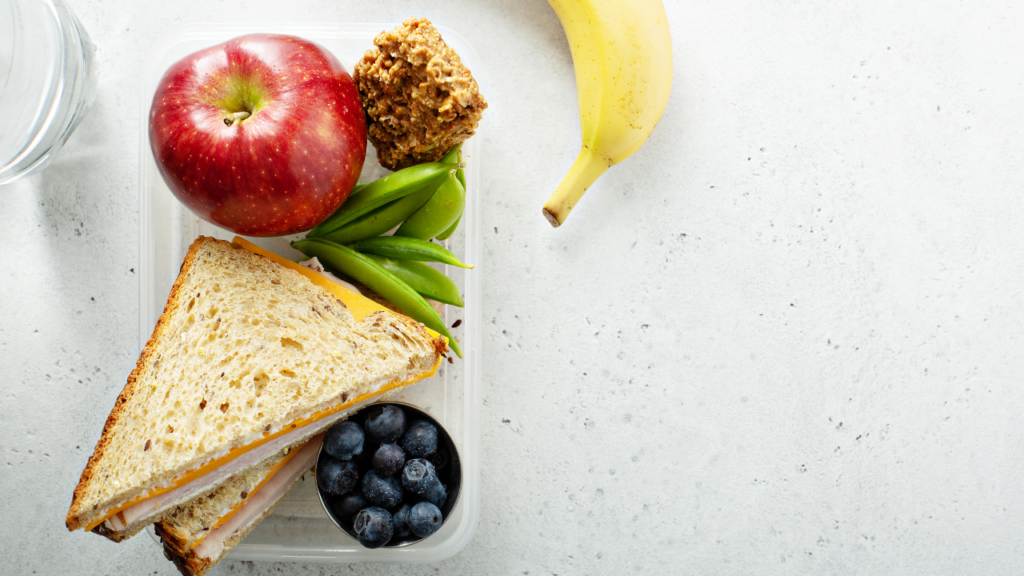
(784, 338)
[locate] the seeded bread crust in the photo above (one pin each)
(77, 516)
(382, 344)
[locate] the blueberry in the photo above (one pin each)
(349, 504)
(418, 475)
(385, 423)
(420, 440)
(370, 446)
(388, 460)
(344, 441)
(401, 519)
(382, 490)
(439, 458)
(436, 494)
(424, 519)
(373, 527)
(336, 477)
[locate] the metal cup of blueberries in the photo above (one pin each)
(389, 475)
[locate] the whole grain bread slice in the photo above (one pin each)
(244, 347)
(182, 527)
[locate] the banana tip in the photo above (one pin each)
(552, 219)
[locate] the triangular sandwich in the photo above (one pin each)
(252, 355)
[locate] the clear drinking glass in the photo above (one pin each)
(46, 82)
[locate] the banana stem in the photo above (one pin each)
(587, 168)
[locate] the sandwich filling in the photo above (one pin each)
(194, 482)
(219, 468)
(257, 502)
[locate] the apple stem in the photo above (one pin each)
(235, 117)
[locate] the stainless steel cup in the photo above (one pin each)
(450, 474)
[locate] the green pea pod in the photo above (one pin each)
(364, 270)
(384, 218)
(402, 248)
(460, 174)
(430, 283)
(381, 191)
(448, 233)
(439, 213)
(453, 155)
(390, 215)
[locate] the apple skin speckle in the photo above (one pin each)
(288, 176)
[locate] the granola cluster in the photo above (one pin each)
(419, 98)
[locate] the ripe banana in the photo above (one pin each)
(622, 54)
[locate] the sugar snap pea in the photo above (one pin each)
(366, 271)
(389, 215)
(430, 283)
(460, 174)
(451, 230)
(384, 218)
(453, 155)
(403, 248)
(381, 191)
(439, 213)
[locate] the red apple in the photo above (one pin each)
(263, 135)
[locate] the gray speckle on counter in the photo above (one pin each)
(783, 338)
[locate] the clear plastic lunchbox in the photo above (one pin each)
(298, 529)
